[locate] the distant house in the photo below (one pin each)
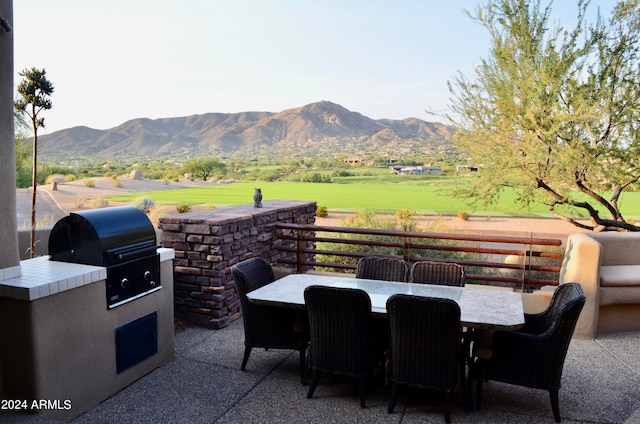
(414, 170)
(353, 161)
(467, 168)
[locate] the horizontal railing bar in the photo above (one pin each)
(512, 280)
(318, 264)
(527, 253)
(403, 234)
(474, 277)
(519, 252)
(483, 264)
(302, 240)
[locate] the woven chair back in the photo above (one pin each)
(386, 269)
(340, 327)
(425, 341)
(264, 326)
(441, 273)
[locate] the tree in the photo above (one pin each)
(23, 151)
(204, 167)
(34, 91)
(552, 113)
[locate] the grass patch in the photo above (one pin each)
(430, 196)
(382, 192)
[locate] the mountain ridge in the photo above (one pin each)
(317, 128)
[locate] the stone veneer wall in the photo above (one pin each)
(207, 243)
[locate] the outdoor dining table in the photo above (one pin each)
(480, 308)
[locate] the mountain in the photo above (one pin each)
(315, 129)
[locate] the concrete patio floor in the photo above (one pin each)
(203, 384)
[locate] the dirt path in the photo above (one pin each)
(77, 195)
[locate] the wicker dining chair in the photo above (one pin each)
(425, 345)
(267, 327)
(442, 273)
(380, 268)
(340, 325)
(534, 356)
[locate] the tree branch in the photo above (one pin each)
(570, 220)
(612, 210)
(618, 191)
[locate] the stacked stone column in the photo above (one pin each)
(207, 243)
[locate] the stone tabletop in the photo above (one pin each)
(479, 308)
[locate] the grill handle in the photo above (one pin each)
(137, 252)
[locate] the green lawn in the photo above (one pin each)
(422, 195)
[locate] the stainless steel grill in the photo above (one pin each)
(122, 239)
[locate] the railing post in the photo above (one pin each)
(300, 246)
(406, 249)
(526, 268)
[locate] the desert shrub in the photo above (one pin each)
(145, 204)
(315, 177)
(341, 173)
(407, 219)
(89, 183)
(210, 206)
(182, 208)
(171, 177)
(45, 221)
(404, 220)
(268, 175)
(70, 177)
(321, 211)
(117, 183)
(23, 178)
(58, 178)
(364, 219)
(99, 202)
(155, 214)
(463, 215)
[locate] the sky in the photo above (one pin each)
(111, 61)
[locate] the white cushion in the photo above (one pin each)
(620, 276)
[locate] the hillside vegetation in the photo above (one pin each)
(321, 128)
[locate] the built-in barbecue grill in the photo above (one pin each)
(122, 239)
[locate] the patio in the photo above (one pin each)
(203, 384)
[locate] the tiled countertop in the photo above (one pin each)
(42, 277)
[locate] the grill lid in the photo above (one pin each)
(102, 236)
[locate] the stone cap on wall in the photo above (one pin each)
(235, 213)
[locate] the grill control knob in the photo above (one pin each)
(149, 277)
(124, 283)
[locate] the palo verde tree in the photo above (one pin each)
(552, 113)
(204, 167)
(34, 91)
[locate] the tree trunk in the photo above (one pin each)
(34, 184)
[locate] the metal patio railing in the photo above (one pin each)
(524, 263)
